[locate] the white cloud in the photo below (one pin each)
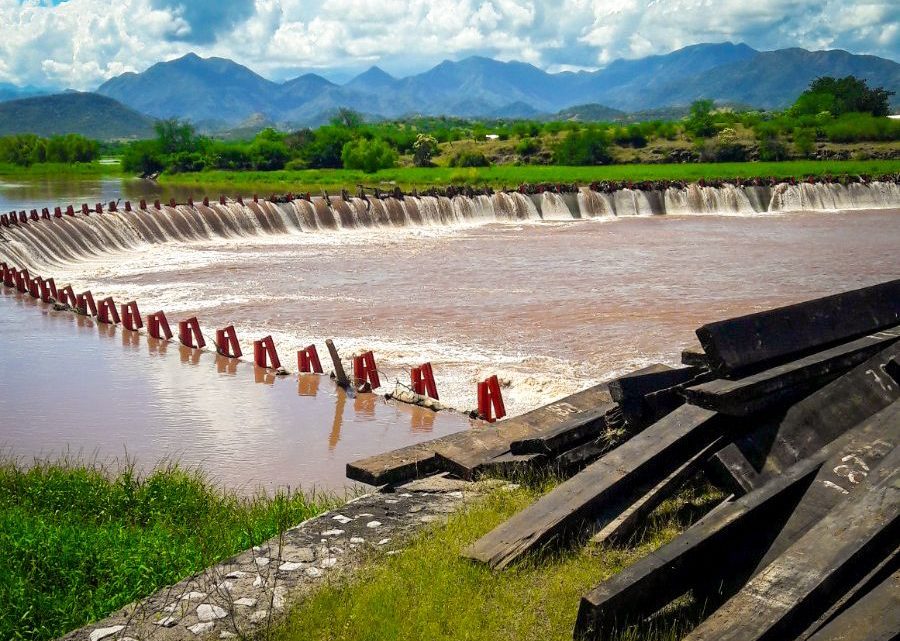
(80, 43)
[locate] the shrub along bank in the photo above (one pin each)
(78, 541)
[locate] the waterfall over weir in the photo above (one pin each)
(45, 243)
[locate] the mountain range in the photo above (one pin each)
(87, 114)
(220, 94)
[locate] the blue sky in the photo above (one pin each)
(81, 43)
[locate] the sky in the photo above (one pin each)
(78, 44)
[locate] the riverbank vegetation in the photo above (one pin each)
(429, 591)
(78, 541)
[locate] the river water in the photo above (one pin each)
(550, 307)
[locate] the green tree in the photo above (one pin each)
(175, 135)
(326, 149)
(700, 121)
(347, 118)
(368, 155)
(143, 157)
(842, 95)
(587, 147)
(424, 149)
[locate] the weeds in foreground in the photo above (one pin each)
(430, 592)
(78, 541)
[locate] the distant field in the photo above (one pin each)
(510, 176)
(103, 167)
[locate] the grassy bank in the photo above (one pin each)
(60, 170)
(77, 542)
(430, 592)
(264, 182)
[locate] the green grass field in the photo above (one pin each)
(429, 591)
(315, 180)
(78, 542)
(64, 170)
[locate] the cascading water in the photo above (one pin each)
(45, 243)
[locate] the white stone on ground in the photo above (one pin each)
(278, 597)
(246, 601)
(357, 539)
(237, 574)
(225, 634)
(262, 561)
(313, 573)
(258, 581)
(373, 524)
(102, 633)
(384, 541)
(167, 622)
(201, 628)
(193, 596)
(290, 566)
(330, 562)
(258, 616)
(208, 612)
(332, 532)
(340, 518)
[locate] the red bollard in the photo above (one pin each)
(308, 361)
(206, 201)
(113, 206)
(423, 381)
(9, 276)
(190, 201)
(240, 199)
(227, 342)
(364, 369)
(221, 200)
(127, 205)
(143, 204)
(131, 317)
(189, 333)
(23, 280)
(156, 204)
(48, 290)
(57, 212)
(99, 208)
(34, 215)
(172, 203)
(23, 217)
(70, 210)
(45, 213)
(66, 296)
(255, 198)
(34, 284)
(84, 209)
(264, 352)
(4, 220)
(107, 312)
(158, 326)
(84, 304)
(489, 397)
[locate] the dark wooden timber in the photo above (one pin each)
(788, 382)
(511, 465)
(730, 540)
(475, 447)
(633, 390)
(567, 433)
(821, 417)
(781, 601)
(874, 617)
(694, 357)
(625, 524)
(339, 375)
(776, 335)
(602, 491)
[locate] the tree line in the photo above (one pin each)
(27, 149)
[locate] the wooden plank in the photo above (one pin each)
(570, 432)
(780, 601)
(729, 540)
(466, 457)
(635, 513)
(510, 465)
(415, 461)
(777, 335)
(594, 496)
(694, 356)
(788, 382)
(633, 392)
(819, 418)
(875, 617)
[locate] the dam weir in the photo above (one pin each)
(34, 243)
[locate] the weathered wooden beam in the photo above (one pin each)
(595, 496)
(729, 541)
(476, 446)
(788, 382)
(631, 392)
(821, 417)
(694, 356)
(511, 465)
(568, 433)
(781, 600)
(636, 513)
(339, 376)
(776, 335)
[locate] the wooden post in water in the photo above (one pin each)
(339, 374)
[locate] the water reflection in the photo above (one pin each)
(193, 406)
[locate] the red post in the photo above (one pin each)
(240, 199)
(34, 215)
(99, 208)
(423, 381)
(34, 283)
(143, 204)
(264, 352)
(227, 342)
(190, 201)
(45, 289)
(57, 212)
(172, 203)
(113, 206)
(23, 217)
(308, 361)
(107, 312)
(364, 369)
(23, 280)
(490, 397)
(9, 276)
(158, 326)
(221, 200)
(45, 213)
(131, 316)
(70, 210)
(156, 204)
(4, 220)
(84, 304)
(127, 205)
(206, 201)
(84, 209)
(189, 333)
(66, 296)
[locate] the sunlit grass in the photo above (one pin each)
(78, 541)
(55, 170)
(430, 592)
(314, 180)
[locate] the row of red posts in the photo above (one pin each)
(490, 399)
